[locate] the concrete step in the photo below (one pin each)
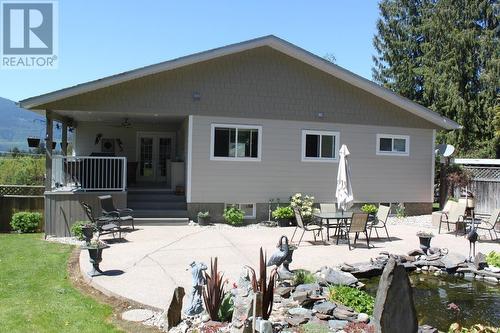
(161, 221)
(157, 205)
(159, 213)
(150, 196)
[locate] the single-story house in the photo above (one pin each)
(241, 124)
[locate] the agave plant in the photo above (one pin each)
(213, 293)
(266, 288)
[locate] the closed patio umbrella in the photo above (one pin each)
(344, 190)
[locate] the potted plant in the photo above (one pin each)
(203, 218)
(233, 215)
(95, 248)
(33, 142)
(425, 240)
(284, 215)
(371, 210)
(83, 230)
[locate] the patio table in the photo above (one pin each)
(339, 217)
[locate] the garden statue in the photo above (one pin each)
(195, 301)
(282, 257)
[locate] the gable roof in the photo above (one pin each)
(270, 41)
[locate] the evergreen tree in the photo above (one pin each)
(452, 63)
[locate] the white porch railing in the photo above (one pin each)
(89, 173)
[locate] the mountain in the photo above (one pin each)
(17, 124)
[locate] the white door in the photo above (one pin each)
(154, 151)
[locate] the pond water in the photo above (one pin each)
(479, 302)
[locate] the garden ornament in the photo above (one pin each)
(195, 301)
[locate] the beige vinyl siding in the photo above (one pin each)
(261, 83)
(281, 172)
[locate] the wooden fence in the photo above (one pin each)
(17, 198)
(486, 187)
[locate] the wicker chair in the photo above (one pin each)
(313, 227)
(358, 225)
(108, 209)
(380, 221)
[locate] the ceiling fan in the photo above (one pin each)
(124, 124)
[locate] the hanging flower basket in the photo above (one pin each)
(54, 145)
(33, 142)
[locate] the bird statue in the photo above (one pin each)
(472, 236)
(279, 256)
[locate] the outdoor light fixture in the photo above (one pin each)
(321, 114)
(196, 96)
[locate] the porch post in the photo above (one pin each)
(48, 149)
(64, 139)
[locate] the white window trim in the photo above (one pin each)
(393, 153)
(320, 159)
(240, 159)
(246, 217)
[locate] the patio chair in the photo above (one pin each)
(108, 209)
(329, 208)
(455, 216)
(104, 224)
(312, 226)
(358, 225)
(489, 222)
(380, 221)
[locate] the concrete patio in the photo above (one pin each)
(154, 259)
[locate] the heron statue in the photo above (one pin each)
(282, 257)
(472, 237)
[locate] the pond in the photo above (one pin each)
(479, 302)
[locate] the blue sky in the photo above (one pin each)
(100, 38)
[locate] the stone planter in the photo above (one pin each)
(425, 243)
(33, 142)
(95, 254)
(204, 220)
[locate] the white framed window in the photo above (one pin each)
(230, 142)
(320, 146)
(248, 208)
(396, 145)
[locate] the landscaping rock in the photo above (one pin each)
(427, 329)
(328, 275)
(416, 252)
(175, 308)
(337, 324)
(309, 288)
(283, 291)
(453, 260)
(344, 313)
(296, 321)
(363, 318)
(300, 296)
(480, 261)
(325, 307)
(394, 310)
(322, 316)
(300, 312)
(137, 315)
(367, 270)
(434, 250)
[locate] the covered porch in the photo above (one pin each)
(138, 159)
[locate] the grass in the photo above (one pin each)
(36, 293)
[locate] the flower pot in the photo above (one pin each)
(284, 222)
(88, 233)
(95, 254)
(33, 142)
(204, 220)
(425, 243)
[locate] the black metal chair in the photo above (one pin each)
(104, 224)
(313, 227)
(108, 209)
(358, 225)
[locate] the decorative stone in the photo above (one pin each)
(300, 296)
(363, 318)
(175, 308)
(137, 315)
(433, 257)
(452, 260)
(328, 275)
(309, 288)
(344, 313)
(491, 279)
(434, 250)
(296, 321)
(480, 261)
(416, 252)
(367, 270)
(322, 316)
(300, 312)
(427, 329)
(325, 307)
(283, 291)
(394, 310)
(337, 324)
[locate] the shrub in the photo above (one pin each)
(400, 210)
(213, 293)
(304, 204)
(76, 229)
(226, 308)
(22, 170)
(25, 222)
(203, 215)
(369, 209)
(264, 286)
(283, 213)
(302, 276)
(493, 258)
(352, 297)
(233, 215)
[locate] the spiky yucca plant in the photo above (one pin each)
(213, 293)
(266, 288)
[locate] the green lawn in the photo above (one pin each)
(36, 294)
